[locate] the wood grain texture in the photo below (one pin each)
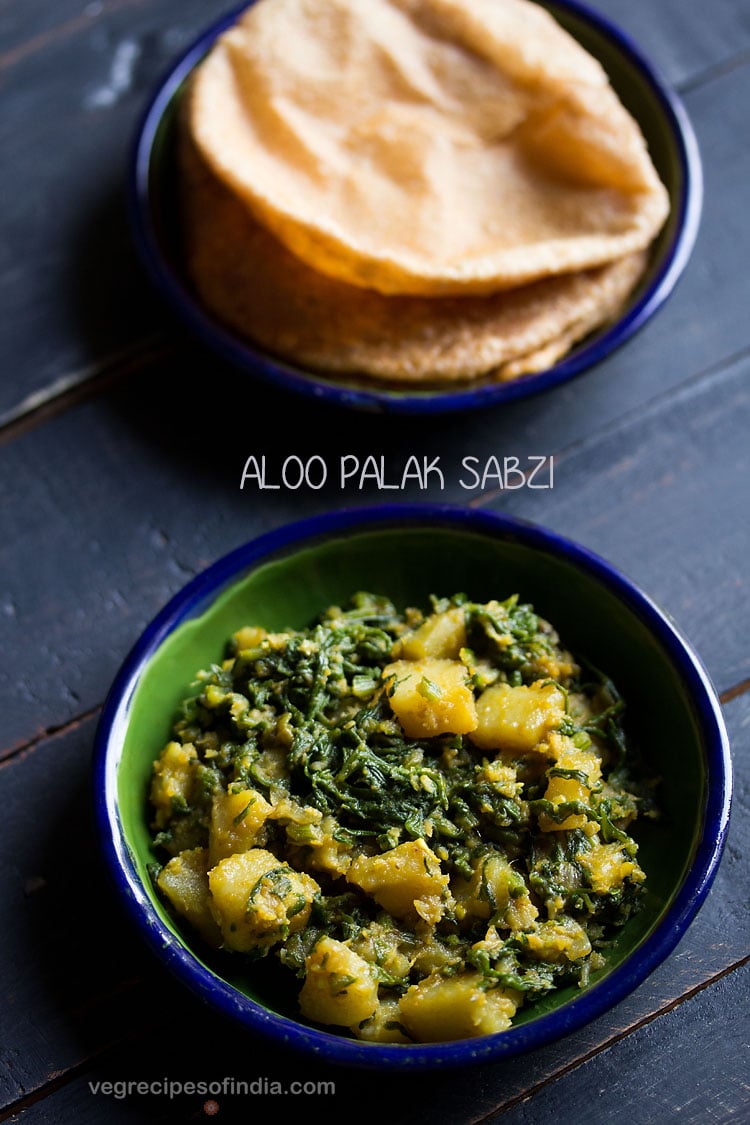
(691, 1065)
(113, 512)
(112, 505)
(30, 27)
(701, 326)
(665, 498)
(674, 31)
(65, 991)
(679, 38)
(72, 292)
(74, 978)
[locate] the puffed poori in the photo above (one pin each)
(416, 191)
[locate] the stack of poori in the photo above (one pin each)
(417, 191)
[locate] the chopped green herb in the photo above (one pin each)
(490, 852)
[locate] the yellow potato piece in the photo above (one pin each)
(257, 899)
(237, 820)
(407, 881)
(608, 867)
(184, 881)
(249, 636)
(565, 940)
(562, 789)
(384, 1026)
(172, 779)
(516, 718)
(440, 1009)
(339, 987)
(431, 697)
(442, 634)
(323, 852)
(494, 890)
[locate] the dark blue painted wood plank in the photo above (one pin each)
(691, 1065)
(112, 511)
(665, 497)
(678, 37)
(674, 31)
(74, 979)
(106, 511)
(74, 87)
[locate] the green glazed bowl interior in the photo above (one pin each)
(409, 559)
(666, 128)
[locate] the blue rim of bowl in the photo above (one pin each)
(277, 372)
(596, 1000)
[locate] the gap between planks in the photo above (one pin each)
(15, 752)
(714, 71)
(93, 13)
(636, 413)
(79, 386)
(12, 753)
(61, 31)
(605, 1046)
(60, 1079)
(85, 384)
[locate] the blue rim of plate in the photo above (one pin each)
(168, 280)
(553, 1025)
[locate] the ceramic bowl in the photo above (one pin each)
(153, 192)
(283, 579)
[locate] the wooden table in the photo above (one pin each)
(122, 448)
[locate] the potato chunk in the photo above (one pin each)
(517, 718)
(440, 1009)
(257, 900)
(237, 821)
(608, 867)
(431, 697)
(339, 986)
(249, 636)
(559, 791)
(406, 881)
(184, 881)
(320, 849)
(563, 940)
(172, 780)
(442, 635)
